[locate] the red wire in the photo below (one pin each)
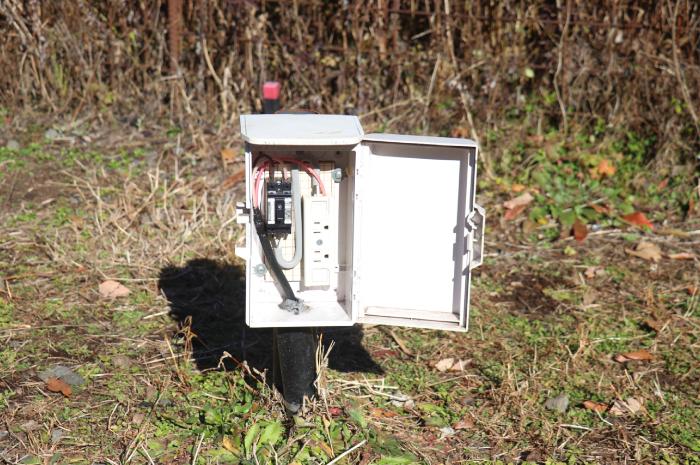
(305, 166)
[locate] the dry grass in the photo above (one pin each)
(462, 66)
(173, 376)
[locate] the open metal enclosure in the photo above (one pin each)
(393, 239)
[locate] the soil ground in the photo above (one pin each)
(173, 375)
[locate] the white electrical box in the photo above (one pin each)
(364, 228)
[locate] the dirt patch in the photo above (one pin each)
(526, 293)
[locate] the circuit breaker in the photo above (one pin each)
(344, 227)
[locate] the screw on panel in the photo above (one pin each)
(260, 270)
(337, 175)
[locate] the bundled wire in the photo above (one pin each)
(260, 173)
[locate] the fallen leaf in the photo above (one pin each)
(595, 406)
(638, 219)
(637, 355)
(602, 209)
(444, 364)
(605, 168)
(458, 365)
(228, 155)
(111, 289)
(464, 423)
(63, 373)
(523, 199)
(654, 324)
(57, 385)
(663, 184)
(631, 405)
(681, 256)
(382, 413)
(634, 405)
(559, 403)
(580, 230)
(646, 251)
(518, 188)
(514, 212)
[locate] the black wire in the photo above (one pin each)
(275, 269)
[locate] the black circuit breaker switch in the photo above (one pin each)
(279, 207)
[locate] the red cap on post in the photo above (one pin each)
(271, 90)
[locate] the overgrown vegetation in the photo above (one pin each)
(111, 169)
(630, 66)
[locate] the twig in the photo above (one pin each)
(678, 71)
(196, 451)
(356, 446)
(584, 428)
(560, 61)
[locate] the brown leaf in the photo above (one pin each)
(634, 405)
(663, 184)
(464, 423)
(523, 199)
(514, 212)
(605, 168)
(637, 355)
(602, 209)
(458, 365)
(638, 219)
(654, 324)
(228, 155)
(518, 188)
(630, 406)
(382, 413)
(580, 230)
(444, 364)
(111, 289)
(681, 256)
(646, 251)
(595, 406)
(58, 385)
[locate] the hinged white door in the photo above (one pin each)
(417, 230)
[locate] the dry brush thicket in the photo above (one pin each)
(432, 65)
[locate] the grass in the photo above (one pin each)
(174, 389)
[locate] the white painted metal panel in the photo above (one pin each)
(413, 242)
(301, 130)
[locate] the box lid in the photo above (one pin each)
(419, 140)
(301, 130)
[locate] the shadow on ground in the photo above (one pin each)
(210, 297)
